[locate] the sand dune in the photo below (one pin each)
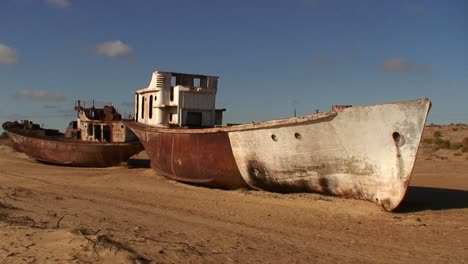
(52, 214)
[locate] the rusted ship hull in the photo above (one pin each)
(74, 153)
(364, 152)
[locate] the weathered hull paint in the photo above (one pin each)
(199, 158)
(364, 152)
(74, 153)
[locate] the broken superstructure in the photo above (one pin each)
(97, 138)
(103, 124)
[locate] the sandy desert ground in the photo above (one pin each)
(52, 214)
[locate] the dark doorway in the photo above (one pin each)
(194, 119)
(97, 132)
(106, 134)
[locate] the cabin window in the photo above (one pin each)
(170, 117)
(151, 106)
(137, 106)
(171, 95)
(90, 130)
(196, 82)
(142, 107)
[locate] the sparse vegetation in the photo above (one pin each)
(4, 135)
(440, 143)
(455, 145)
(428, 141)
(5, 140)
(437, 134)
(464, 145)
(440, 157)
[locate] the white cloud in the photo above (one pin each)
(400, 65)
(38, 95)
(59, 3)
(7, 55)
(113, 49)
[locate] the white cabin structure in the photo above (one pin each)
(178, 99)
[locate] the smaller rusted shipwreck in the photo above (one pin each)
(364, 152)
(98, 138)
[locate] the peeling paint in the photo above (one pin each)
(352, 152)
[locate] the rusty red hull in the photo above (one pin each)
(199, 158)
(74, 153)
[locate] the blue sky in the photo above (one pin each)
(271, 56)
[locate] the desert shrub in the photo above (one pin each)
(455, 129)
(437, 134)
(5, 140)
(464, 144)
(456, 145)
(427, 141)
(3, 135)
(440, 143)
(439, 157)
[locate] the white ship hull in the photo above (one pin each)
(365, 152)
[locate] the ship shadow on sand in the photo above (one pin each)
(138, 163)
(430, 198)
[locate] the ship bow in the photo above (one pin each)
(365, 152)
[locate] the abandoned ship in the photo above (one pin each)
(97, 138)
(364, 152)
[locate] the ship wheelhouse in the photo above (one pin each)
(178, 99)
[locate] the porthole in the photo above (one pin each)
(297, 135)
(274, 137)
(398, 138)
